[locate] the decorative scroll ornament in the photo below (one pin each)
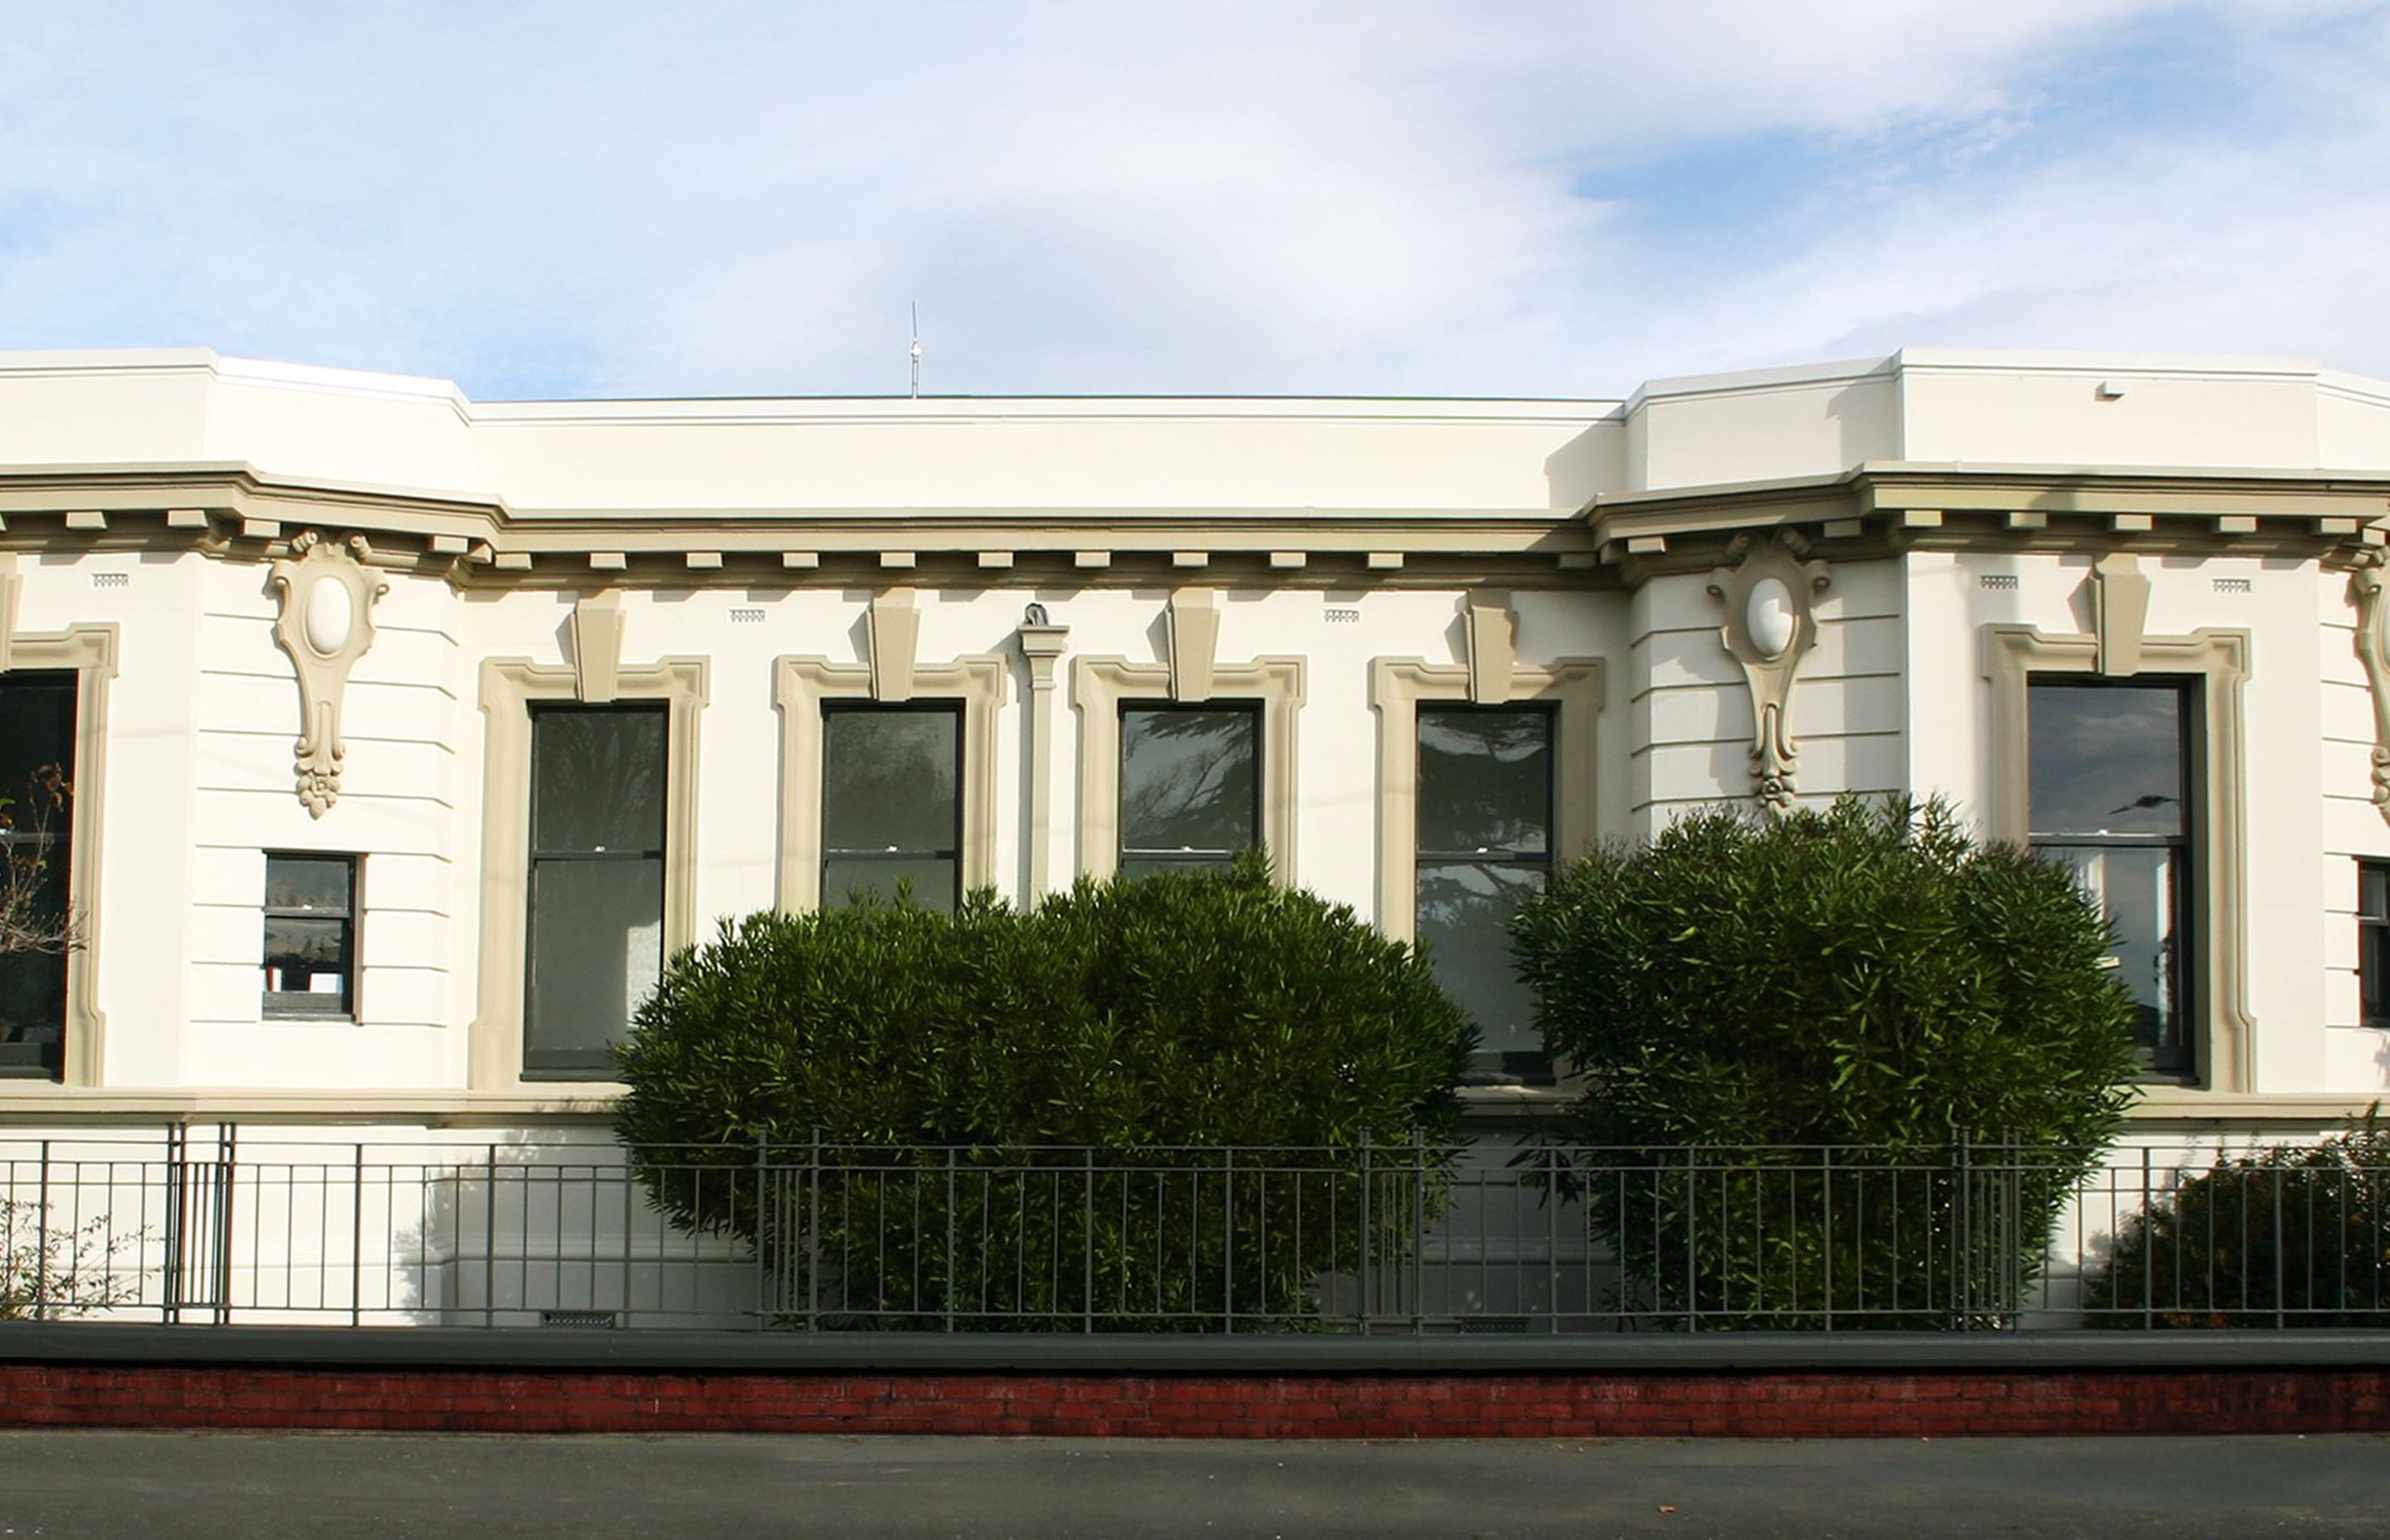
(327, 595)
(2368, 581)
(1770, 627)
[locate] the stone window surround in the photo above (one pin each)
(2222, 1033)
(1573, 687)
(1098, 687)
(510, 687)
(800, 685)
(90, 653)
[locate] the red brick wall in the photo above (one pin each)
(1851, 1404)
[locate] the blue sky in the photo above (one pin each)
(1395, 196)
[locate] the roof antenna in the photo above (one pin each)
(915, 351)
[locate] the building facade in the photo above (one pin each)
(382, 742)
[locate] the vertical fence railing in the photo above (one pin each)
(214, 1226)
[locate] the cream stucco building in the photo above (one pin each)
(405, 732)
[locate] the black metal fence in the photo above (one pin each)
(203, 1224)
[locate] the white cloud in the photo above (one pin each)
(1383, 196)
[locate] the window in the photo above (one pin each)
(597, 881)
(37, 770)
(891, 803)
(310, 931)
(2373, 940)
(1484, 843)
(1189, 786)
(2109, 794)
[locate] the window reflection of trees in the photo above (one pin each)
(1485, 813)
(1189, 780)
(890, 781)
(1485, 781)
(599, 780)
(38, 928)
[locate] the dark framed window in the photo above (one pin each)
(2374, 940)
(598, 779)
(1189, 786)
(311, 934)
(1484, 843)
(891, 803)
(2110, 791)
(37, 744)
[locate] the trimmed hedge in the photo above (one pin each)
(1127, 1017)
(1868, 977)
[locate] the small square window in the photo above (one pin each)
(311, 931)
(2373, 940)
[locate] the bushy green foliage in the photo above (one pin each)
(1868, 977)
(2293, 1234)
(1124, 1017)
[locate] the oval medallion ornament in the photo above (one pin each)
(1770, 618)
(328, 616)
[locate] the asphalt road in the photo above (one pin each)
(166, 1486)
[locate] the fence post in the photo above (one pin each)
(1828, 1175)
(1962, 1270)
(357, 1236)
(950, 1312)
(1361, 1210)
(1087, 1242)
(2281, 1272)
(170, 1175)
(813, 1246)
(1692, 1239)
(2149, 1250)
(490, 1237)
(1419, 1230)
(1552, 1237)
(227, 1166)
(763, 1229)
(41, 1240)
(1228, 1241)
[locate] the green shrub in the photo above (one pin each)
(1868, 978)
(2293, 1234)
(904, 1076)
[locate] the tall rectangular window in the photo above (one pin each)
(310, 931)
(892, 804)
(1484, 843)
(37, 741)
(1189, 786)
(2374, 940)
(2109, 794)
(595, 944)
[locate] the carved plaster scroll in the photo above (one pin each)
(1194, 627)
(326, 624)
(895, 638)
(2370, 580)
(10, 585)
(1493, 635)
(598, 648)
(1770, 627)
(2120, 612)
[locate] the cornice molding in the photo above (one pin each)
(235, 512)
